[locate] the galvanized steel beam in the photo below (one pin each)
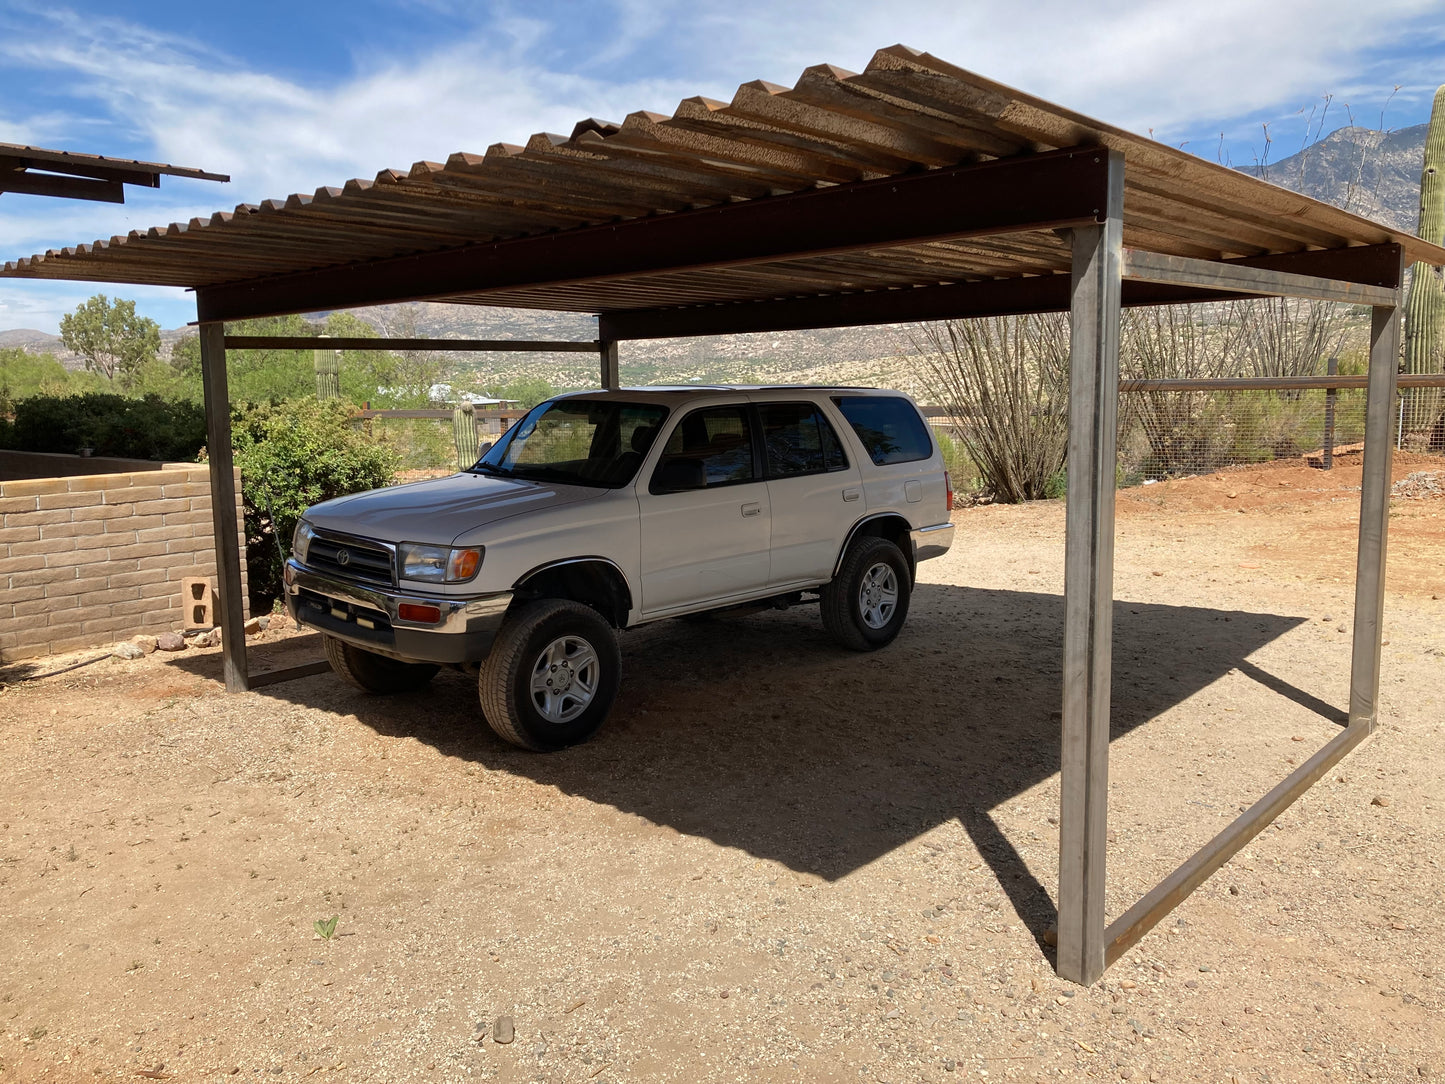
(1374, 517)
(223, 507)
(1089, 586)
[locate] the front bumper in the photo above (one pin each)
(931, 541)
(368, 617)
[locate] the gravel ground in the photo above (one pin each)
(778, 862)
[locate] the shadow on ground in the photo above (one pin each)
(758, 733)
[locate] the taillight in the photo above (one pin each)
(948, 490)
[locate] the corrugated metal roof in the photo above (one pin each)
(907, 112)
(60, 160)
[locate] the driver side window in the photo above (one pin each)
(709, 447)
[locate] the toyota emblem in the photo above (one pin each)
(343, 557)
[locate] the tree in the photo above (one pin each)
(23, 374)
(112, 339)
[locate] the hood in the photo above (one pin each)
(438, 511)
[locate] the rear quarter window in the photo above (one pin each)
(889, 427)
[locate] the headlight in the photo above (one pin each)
(301, 540)
(438, 564)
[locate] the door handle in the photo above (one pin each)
(752, 509)
(852, 494)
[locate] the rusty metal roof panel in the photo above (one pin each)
(59, 160)
(905, 114)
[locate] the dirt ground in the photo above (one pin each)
(778, 861)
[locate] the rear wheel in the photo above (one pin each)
(376, 673)
(552, 675)
(865, 605)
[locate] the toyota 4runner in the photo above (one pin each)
(602, 511)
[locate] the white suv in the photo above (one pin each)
(602, 511)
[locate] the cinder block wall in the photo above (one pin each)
(89, 560)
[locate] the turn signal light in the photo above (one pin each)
(463, 564)
(411, 611)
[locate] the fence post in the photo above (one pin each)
(1332, 367)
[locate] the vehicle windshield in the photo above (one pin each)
(577, 442)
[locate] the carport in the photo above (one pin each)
(912, 191)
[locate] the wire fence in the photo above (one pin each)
(1180, 431)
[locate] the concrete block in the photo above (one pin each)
(198, 602)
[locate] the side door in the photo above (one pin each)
(816, 493)
(705, 513)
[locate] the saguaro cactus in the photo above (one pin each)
(327, 364)
(464, 432)
(1425, 306)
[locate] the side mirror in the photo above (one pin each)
(485, 448)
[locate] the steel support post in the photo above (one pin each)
(1089, 583)
(1374, 517)
(223, 506)
(611, 377)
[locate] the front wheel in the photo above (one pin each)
(865, 605)
(376, 673)
(552, 675)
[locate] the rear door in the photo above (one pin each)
(705, 513)
(816, 493)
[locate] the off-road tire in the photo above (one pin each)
(505, 685)
(841, 602)
(376, 673)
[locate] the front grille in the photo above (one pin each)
(350, 558)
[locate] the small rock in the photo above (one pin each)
(126, 650)
(503, 1030)
(892, 1014)
(539, 1049)
(264, 622)
(147, 644)
(1191, 984)
(1156, 573)
(723, 995)
(1380, 800)
(252, 626)
(214, 639)
(1205, 968)
(1051, 936)
(1061, 1000)
(1128, 984)
(1234, 890)
(950, 1065)
(1231, 494)
(170, 641)
(1126, 1073)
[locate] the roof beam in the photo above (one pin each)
(326, 342)
(1046, 191)
(1375, 265)
(23, 182)
(1234, 279)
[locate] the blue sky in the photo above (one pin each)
(288, 97)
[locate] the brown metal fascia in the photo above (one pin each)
(1059, 189)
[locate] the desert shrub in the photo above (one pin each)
(1004, 381)
(293, 455)
(111, 425)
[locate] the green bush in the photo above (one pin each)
(293, 455)
(110, 425)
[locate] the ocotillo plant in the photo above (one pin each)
(464, 433)
(1425, 307)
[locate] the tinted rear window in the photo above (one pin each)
(890, 428)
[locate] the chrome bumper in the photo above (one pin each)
(931, 541)
(369, 617)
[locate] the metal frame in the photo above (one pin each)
(1080, 190)
(1086, 944)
